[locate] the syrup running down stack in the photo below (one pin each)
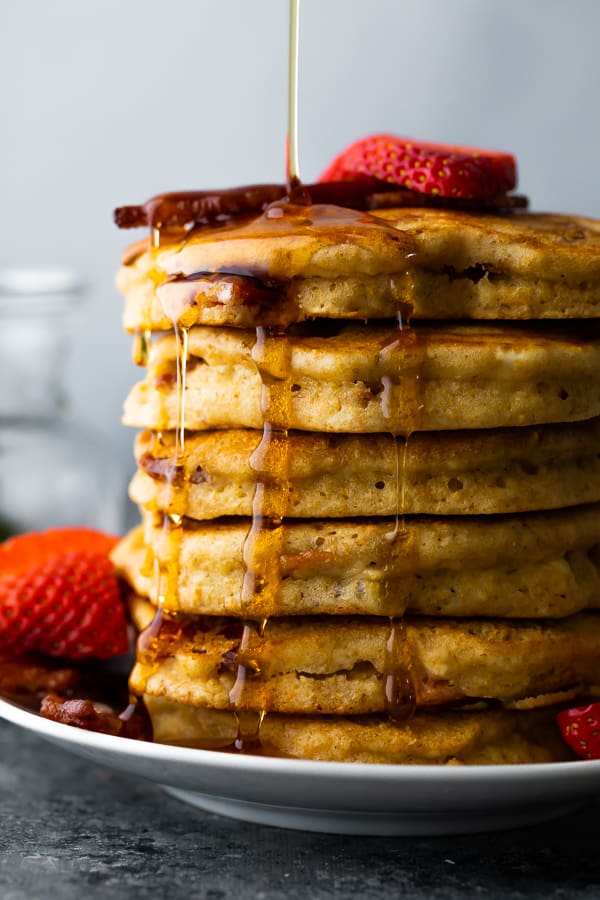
(369, 475)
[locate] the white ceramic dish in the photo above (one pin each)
(343, 798)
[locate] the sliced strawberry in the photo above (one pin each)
(59, 595)
(18, 554)
(438, 169)
(580, 728)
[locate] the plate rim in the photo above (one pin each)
(122, 746)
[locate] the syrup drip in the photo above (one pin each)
(181, 338)
(167, 559)
(248, 721)
(140, 351)
(403, 419)
(160, 638)
(263, 547)
(180, 292)
(162, 630)
(157, 641)
(400, 693)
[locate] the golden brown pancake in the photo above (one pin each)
(451, 473)
(436, 738)
(341, 666)
(463, 265)
(557, 248)
(540, 565)
(376, 379)
(498, 415)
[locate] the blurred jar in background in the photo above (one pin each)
(53, 470)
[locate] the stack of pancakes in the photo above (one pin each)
(367, 539)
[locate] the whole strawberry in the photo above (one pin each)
(580, 728)
(59, 595)
(438, 169)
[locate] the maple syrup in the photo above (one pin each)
(171, 216)
(293, 212)
(399, 676)
(400, 690)
(161, 635)
(263, 296)
(174, 215)
(140, 347)
(263, 547)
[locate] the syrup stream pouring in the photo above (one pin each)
(292, 167)
(270, 461)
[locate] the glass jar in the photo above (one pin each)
(53, 471)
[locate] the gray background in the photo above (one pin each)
(105, 103)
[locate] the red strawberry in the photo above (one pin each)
(59, 595)
(440, 169)
(580, 728)
(25, 551)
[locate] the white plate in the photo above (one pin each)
(342, 798)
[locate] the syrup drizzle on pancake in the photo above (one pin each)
(164, 629)
(140, 350)
(271, 353)
(264, 297)
(400, 398)
(401, 404)
(263, 547)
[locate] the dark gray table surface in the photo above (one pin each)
(71, 829)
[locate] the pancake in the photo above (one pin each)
(376, 379)
(452, 473)
(558, 248)
(530, 566)
(471, 608)
(442, 738)
(342, 666)
(463, 265)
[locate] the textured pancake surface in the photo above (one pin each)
(471, 604)
(442, 738)
(341, 665)
(465, 265)
(377, 379)
(560, 248)
(451, 473)
(530, 566)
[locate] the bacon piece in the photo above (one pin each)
(81, 714)
(400, 198)
(186, 210)
(133, 723)
(25, 676)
